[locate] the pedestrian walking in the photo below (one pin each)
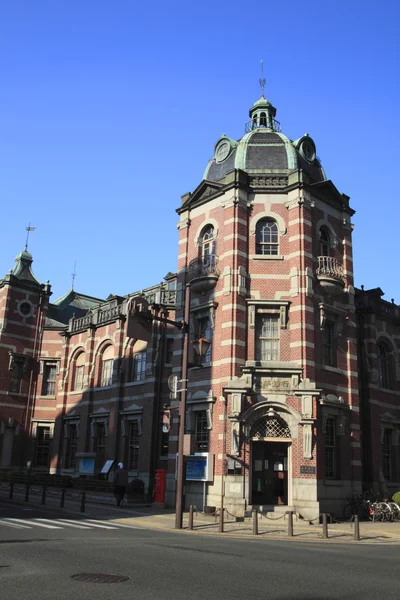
(120, 483)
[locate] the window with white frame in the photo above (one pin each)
(267, 238)
(79, 372)
(267, 337)
(202, 433)
(133, 445)
(43, 440)
(208, 246)
(139, 366)
(387, 454)
(203, 329)
(49, 379)
(330, 448)
(107, 366)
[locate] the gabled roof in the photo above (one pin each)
(329, 193)
(202, 192)
(72, 303)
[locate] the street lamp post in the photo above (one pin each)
(182, 412)
(200, 346)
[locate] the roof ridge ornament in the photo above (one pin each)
(28, 229)
(262, 78)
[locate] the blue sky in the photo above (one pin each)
(109, 112)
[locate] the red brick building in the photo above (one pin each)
(296, 401)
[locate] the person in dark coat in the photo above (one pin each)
(120, 483)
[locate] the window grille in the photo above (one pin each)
(100, 439)
(329, 347)
(267, 239)
(42, 446)
(139, 366)
(49, 379)
(383, 366)
(324, 243)
(16, 374)
(201, 432)
(330, 448)
(270, 428)
(267, 347)
(133, 457)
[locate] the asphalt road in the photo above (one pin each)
(38, 562)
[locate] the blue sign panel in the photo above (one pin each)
(86, 466)
(196, 468)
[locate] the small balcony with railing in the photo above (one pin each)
(203, 274)
(330, 275)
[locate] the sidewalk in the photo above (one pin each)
(151, 517)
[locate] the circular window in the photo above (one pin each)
(25, 309)
(308, 150)
(222, 151)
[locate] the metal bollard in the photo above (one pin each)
(221, 521)
(43, 501)
(191, 514)
(255, 522)
(325, 526)
(62, 498)
(356, 528)
(290, 523)
(83, 499)
(27, 492)
(11, 490)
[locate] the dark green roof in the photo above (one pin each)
(72, 303)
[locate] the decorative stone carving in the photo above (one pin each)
(264, 182)
(235, 438)
(306, 407)
(307, 441)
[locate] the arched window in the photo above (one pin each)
(263, 119)
(107, 364)
(79, 373)
(137, 360)
(208, 246)
(383, 366)
(324, 242)
(267, 239)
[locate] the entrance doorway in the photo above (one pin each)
(269, 473)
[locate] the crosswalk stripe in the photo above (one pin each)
(15, 525)
(95, 523)
(65, 522)
(73, 523)
(34, 522)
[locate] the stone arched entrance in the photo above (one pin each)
(270, 440)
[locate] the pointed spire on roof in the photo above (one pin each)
(22, 269)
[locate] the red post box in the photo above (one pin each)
(159, 488)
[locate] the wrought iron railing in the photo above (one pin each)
(330, 267)
(273, 126)
(200, 267)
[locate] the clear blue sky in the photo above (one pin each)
(109, 112)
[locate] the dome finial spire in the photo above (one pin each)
(262, 79)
